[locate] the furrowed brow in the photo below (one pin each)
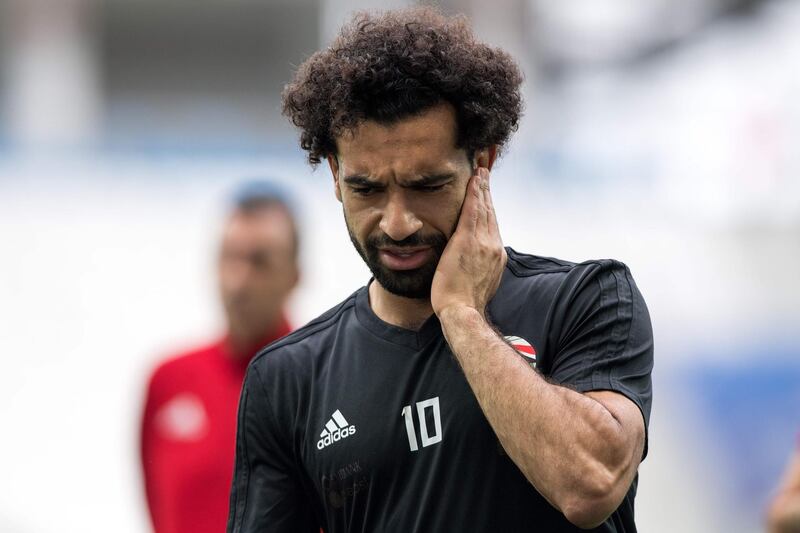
(360, 181)
(431, 179)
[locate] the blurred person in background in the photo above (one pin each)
(784, 513)
(467, 387)
(188, 429)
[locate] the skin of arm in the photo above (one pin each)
(580, 451)
(784, 513)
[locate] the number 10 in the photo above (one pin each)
(427, 439)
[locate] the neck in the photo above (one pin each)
(244, 344)
(408, 313)
(241, 347)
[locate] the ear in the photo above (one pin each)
(333, 163)
(485, 157)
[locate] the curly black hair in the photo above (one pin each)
(389, 66)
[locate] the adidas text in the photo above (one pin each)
(336, 436)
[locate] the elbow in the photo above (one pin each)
(597, 497)
(587, 515)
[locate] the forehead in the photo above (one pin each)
(261, 227)
(421, 142)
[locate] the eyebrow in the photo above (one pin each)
(430, 179)
(360, 181)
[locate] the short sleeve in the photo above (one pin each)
(602, 334)
(267, 496)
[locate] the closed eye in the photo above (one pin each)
(430, 188)
(433, 182)
(363, 191)
(361, 185)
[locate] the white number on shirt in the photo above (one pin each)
(427, 438)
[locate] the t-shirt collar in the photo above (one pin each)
(415, 340)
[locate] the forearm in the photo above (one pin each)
(569, 446)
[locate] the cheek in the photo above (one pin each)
(361, 221)
(275, 281)
(443, 216)
(227, 275)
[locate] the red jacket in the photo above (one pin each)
(188, 437)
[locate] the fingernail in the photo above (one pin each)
(483, 172)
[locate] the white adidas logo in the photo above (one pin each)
(335, 430)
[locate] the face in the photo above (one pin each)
(401, 187)
(257, 270)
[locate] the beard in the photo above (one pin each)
(415, 283)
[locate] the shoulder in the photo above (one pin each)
(181, 363)
(305, 346)
(553, 275)
(554, 293)
(524, 265)
(179, 373)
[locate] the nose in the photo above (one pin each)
(237, 277)
(397, 220)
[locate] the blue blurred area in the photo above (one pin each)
(751, 409)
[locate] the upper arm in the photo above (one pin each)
(266, 495)
(603, 342)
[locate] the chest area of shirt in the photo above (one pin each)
(198, 413)
(382, 424)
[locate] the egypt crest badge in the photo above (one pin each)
(524, 348)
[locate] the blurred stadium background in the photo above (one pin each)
(665, 133)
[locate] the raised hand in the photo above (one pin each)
(471, 266)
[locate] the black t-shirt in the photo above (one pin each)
(352, 424)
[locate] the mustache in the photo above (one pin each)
(412, 240)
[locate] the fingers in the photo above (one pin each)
(477, 212)
(490, 214)
(470, 212)
(483, 185)
(485, 197)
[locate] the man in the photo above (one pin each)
(189, 426)
(784, 512)
(414, 405)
